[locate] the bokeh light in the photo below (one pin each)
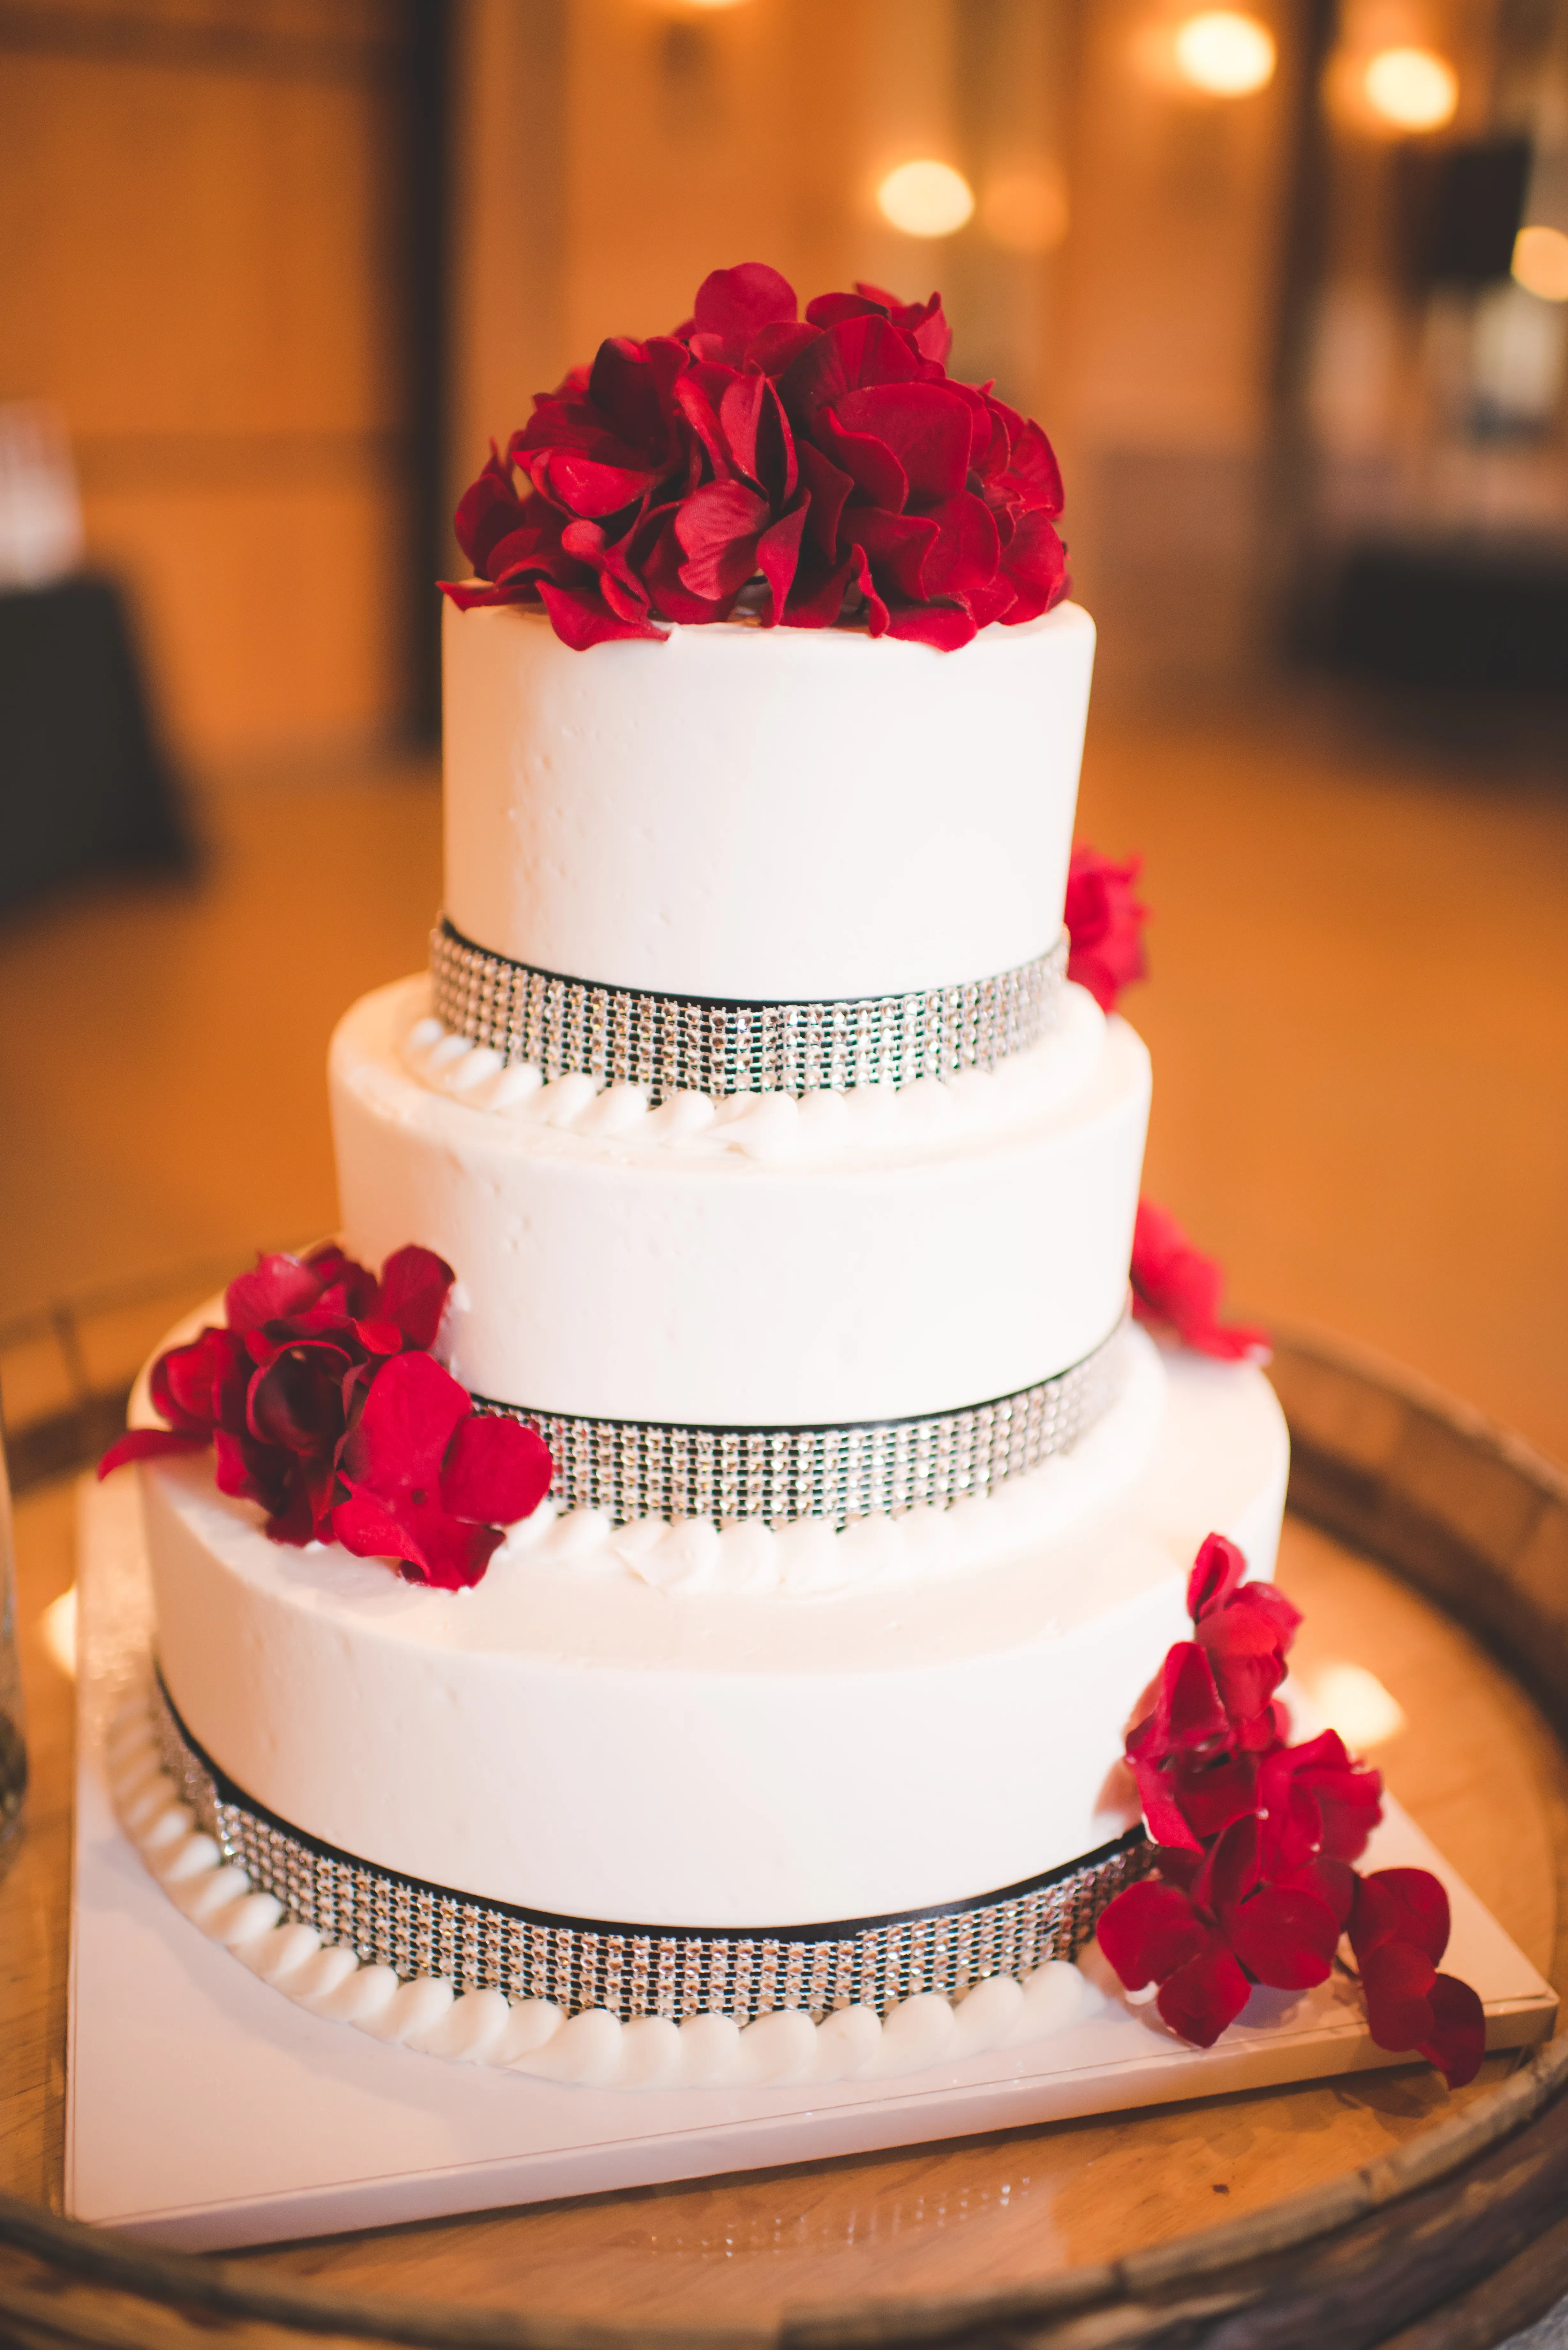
(1541, 262)
(1415, 89)
(1225, 53)
(925, 198)
(1025, 210)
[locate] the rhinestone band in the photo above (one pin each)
(691, 1043)
(641, 1468)
(675, 1971)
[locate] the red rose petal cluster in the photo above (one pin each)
(1104, 925)
(323, 1403)
(1176, 1287)
(1253, 1841)
(831, 458)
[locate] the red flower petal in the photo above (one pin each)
(1036, 562)
(946, 626)
(1245, 1646)
(411, 1414)
(1349, 1795)
(1292, 1831)
(869, 463)
(1211, 1795)
(1188, 1712)
(1202, 1997)
(923, 425)
(963, 556)
(147, 1444)
(858, 350)
(197, 1387)
(1032, 469)
(582, 620)
(1221, 1567)
(279, 1286)
(367, 1526)
(1333, 1883)
(1159, 1793)
(1285, 1937)
(719, 526)
(778, 560)
(1175, 1284)
(1229, 1869)
(297, 1401)
(896, 546)
(588, 488)
(1456, 2042)
(487, 510)
(496, 1471)
(1396, 1978)
(829, 487)
(1406, 1905)
(1104, 925)
(1148, 1931)
(817, 598)
(772, 349)
(413, 1290)
(744, 300)
(443, 1551)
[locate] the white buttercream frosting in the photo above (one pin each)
(762, 815)
(702, 1756)
(966, 1241)
(778, 1128)
(533, 2036)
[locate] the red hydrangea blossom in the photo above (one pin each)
(323, 1403)
(1104, 925)
(1253, 1840)
(1176, 1287)
(828, 464)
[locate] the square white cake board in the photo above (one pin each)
(205, 2110)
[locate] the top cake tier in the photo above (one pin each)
(762, 815)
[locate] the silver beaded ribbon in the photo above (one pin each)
(649, 1469)
(693, 1043)
(417, 1929)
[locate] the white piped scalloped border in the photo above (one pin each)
(773, 1127)
(594, 2050)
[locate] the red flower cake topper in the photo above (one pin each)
(323, 1404)
(828, 464)
(1252, 1844)
(1104, 925)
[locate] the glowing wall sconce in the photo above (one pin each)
(1225, 54)
(925, 198)
(1541, 262)
(1411, 89)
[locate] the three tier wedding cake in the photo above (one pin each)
(747, 1142)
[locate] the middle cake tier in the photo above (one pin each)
(918, 1254)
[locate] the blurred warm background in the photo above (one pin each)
(1289, 288)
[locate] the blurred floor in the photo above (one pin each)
(1359, 1019)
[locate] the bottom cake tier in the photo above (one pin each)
(595, 1755)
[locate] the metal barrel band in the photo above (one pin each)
(419, 1929)
(642, 1469)
(688, 1043)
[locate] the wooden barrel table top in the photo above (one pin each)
(1428, 1551)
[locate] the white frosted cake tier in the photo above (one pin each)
(762, 815)
(598, 1748)
(609, 1275)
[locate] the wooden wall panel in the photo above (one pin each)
(197, 223)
